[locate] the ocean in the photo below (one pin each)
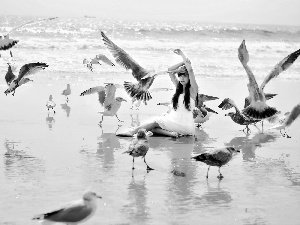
(63, 43)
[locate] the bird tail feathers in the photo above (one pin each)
(259, 112)
(137, 93)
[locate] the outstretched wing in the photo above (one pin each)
(280, 67)
(104, 59)
(123, 59)
(294, 114)
(227, 103)
(7, 43)
(98, 89)
(31, 68)
(30, 22)
(201, 98)
(110, 91)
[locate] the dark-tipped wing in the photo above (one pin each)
(104, 59)
(280, 67)
(7, 43)
(123, 59)
(294, 114)
(100, 90)
(227, 103)
(31, 68)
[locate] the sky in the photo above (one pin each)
(274, 12)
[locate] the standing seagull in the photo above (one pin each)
(7, 43)
(139, 146)
(106, 97)
(216, 157)
(139, 90)
(28, 69)
(258, 109)
(50, 104)
(288, 120)
(67, 91)
(73, 213)
(96, 60)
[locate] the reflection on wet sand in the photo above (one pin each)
(66, 108)
(248, 145)
(137, 210)
(50, 121)
(135, 120)
(214, 196)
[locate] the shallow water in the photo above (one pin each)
(49, 160)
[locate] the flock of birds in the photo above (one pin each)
(255, 110)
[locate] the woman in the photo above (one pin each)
(180, 120)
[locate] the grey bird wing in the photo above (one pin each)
(30, 22)
(69, 214)
(100, 90)
(294, 114)
(123, 59)
(227, 103)
(110, 91)
(280, 67)
(221, 155)
(104, 59)
(31, 68)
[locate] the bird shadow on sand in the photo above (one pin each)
(50, 121)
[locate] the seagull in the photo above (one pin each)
(7, 43)
(139, 146)
(96, 60)
(50, 104)
(73, 213)
(287, 121)
(28, 69)
(200, 117)
(67, 91)
(201, 98)
(106, 97)
(258, 109)
(139, 90)
(216, 157)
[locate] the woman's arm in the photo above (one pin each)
(172, 72)
(188, 65)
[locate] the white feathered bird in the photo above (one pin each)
(96, 60)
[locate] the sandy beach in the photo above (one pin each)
(50, 159)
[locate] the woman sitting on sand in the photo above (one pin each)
(180, 120)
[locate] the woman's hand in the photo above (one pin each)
(178, 51)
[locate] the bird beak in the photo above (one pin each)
(237, 150)
(98, 196)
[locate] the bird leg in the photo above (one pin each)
(285, 134)
(100, 123)
(262, 126)
(148, 167)
(220, 175)
(207, 172)
(119, 119)
(133, 163)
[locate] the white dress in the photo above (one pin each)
(180, 120)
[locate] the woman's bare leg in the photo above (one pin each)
(164, 132)
(148, 126)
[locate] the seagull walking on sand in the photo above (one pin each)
(139, 146)
(106, 97)
(258, 109)
(216, 157)
(50, 104)
(67, 92)
(7, 43)
(14, 82)
(75, 212)
(96, 60)
(139, 90)
(287, 121)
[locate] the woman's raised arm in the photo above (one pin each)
(172, 72)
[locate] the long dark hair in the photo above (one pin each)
(179, 90)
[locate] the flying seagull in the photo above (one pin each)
(258, 109)
(7, 43)
(75, 212)
(216, 157)
(28, 69)
(139, 90)
(287, 121)
(106, 97)
(96, 60)
(139, 146)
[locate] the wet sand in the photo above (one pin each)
(50, 159)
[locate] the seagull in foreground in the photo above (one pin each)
(139, 146)
(50, 104)
(28, 69)
(7, 43)
(73, 213)
(287, 121)
(139, 90)
(96, 60)
(67, 92)
(106, 97)
(258, 109)
(216, 157)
